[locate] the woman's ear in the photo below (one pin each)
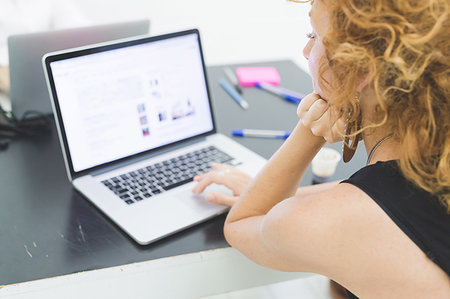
(365, 80)
(363, 84)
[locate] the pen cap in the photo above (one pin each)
(239, 133)
(325, 162)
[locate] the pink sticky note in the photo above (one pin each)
(249, 76)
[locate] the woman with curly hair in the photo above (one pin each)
(381, 74)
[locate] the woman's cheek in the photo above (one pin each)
(314, 72)
(315, 60)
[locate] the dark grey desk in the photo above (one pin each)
(48, 229)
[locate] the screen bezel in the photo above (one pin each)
(108, 47)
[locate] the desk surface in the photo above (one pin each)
(48, 229)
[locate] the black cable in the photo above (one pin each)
(32, 123)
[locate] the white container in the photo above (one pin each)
(324, 164)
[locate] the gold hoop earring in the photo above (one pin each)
(351, 142)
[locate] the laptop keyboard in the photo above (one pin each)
(146, 182)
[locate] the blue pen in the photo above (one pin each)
(232, 77)
(261, 133)
(289, 95)
(233, 93)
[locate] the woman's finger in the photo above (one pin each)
(322, 126)
(214, 167)
(201, 176)
(329, 127)
(305, 104)
(222, 174)
(315, 113)
(220, 177)
(203, 182)
(337, 132)
(221, 199)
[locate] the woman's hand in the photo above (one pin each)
(317, 115)
(226, 175)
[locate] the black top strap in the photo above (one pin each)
(416, 212)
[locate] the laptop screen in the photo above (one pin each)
(126, 100)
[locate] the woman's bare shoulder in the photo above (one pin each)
(320, 226)
(343, 234)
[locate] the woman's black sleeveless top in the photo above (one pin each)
(416, 212)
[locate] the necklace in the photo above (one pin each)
(372, 151)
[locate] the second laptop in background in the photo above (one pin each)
(29, 90)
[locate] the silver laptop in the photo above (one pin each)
(28, 88)
(136, 124)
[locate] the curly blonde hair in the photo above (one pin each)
(403, 47)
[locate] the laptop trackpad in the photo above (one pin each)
(198, 202)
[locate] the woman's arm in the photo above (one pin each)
(278, 179)
(285, 169)
(269, 213)
(237, 181)
(313, 189)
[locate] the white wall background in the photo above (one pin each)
(232, 31)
